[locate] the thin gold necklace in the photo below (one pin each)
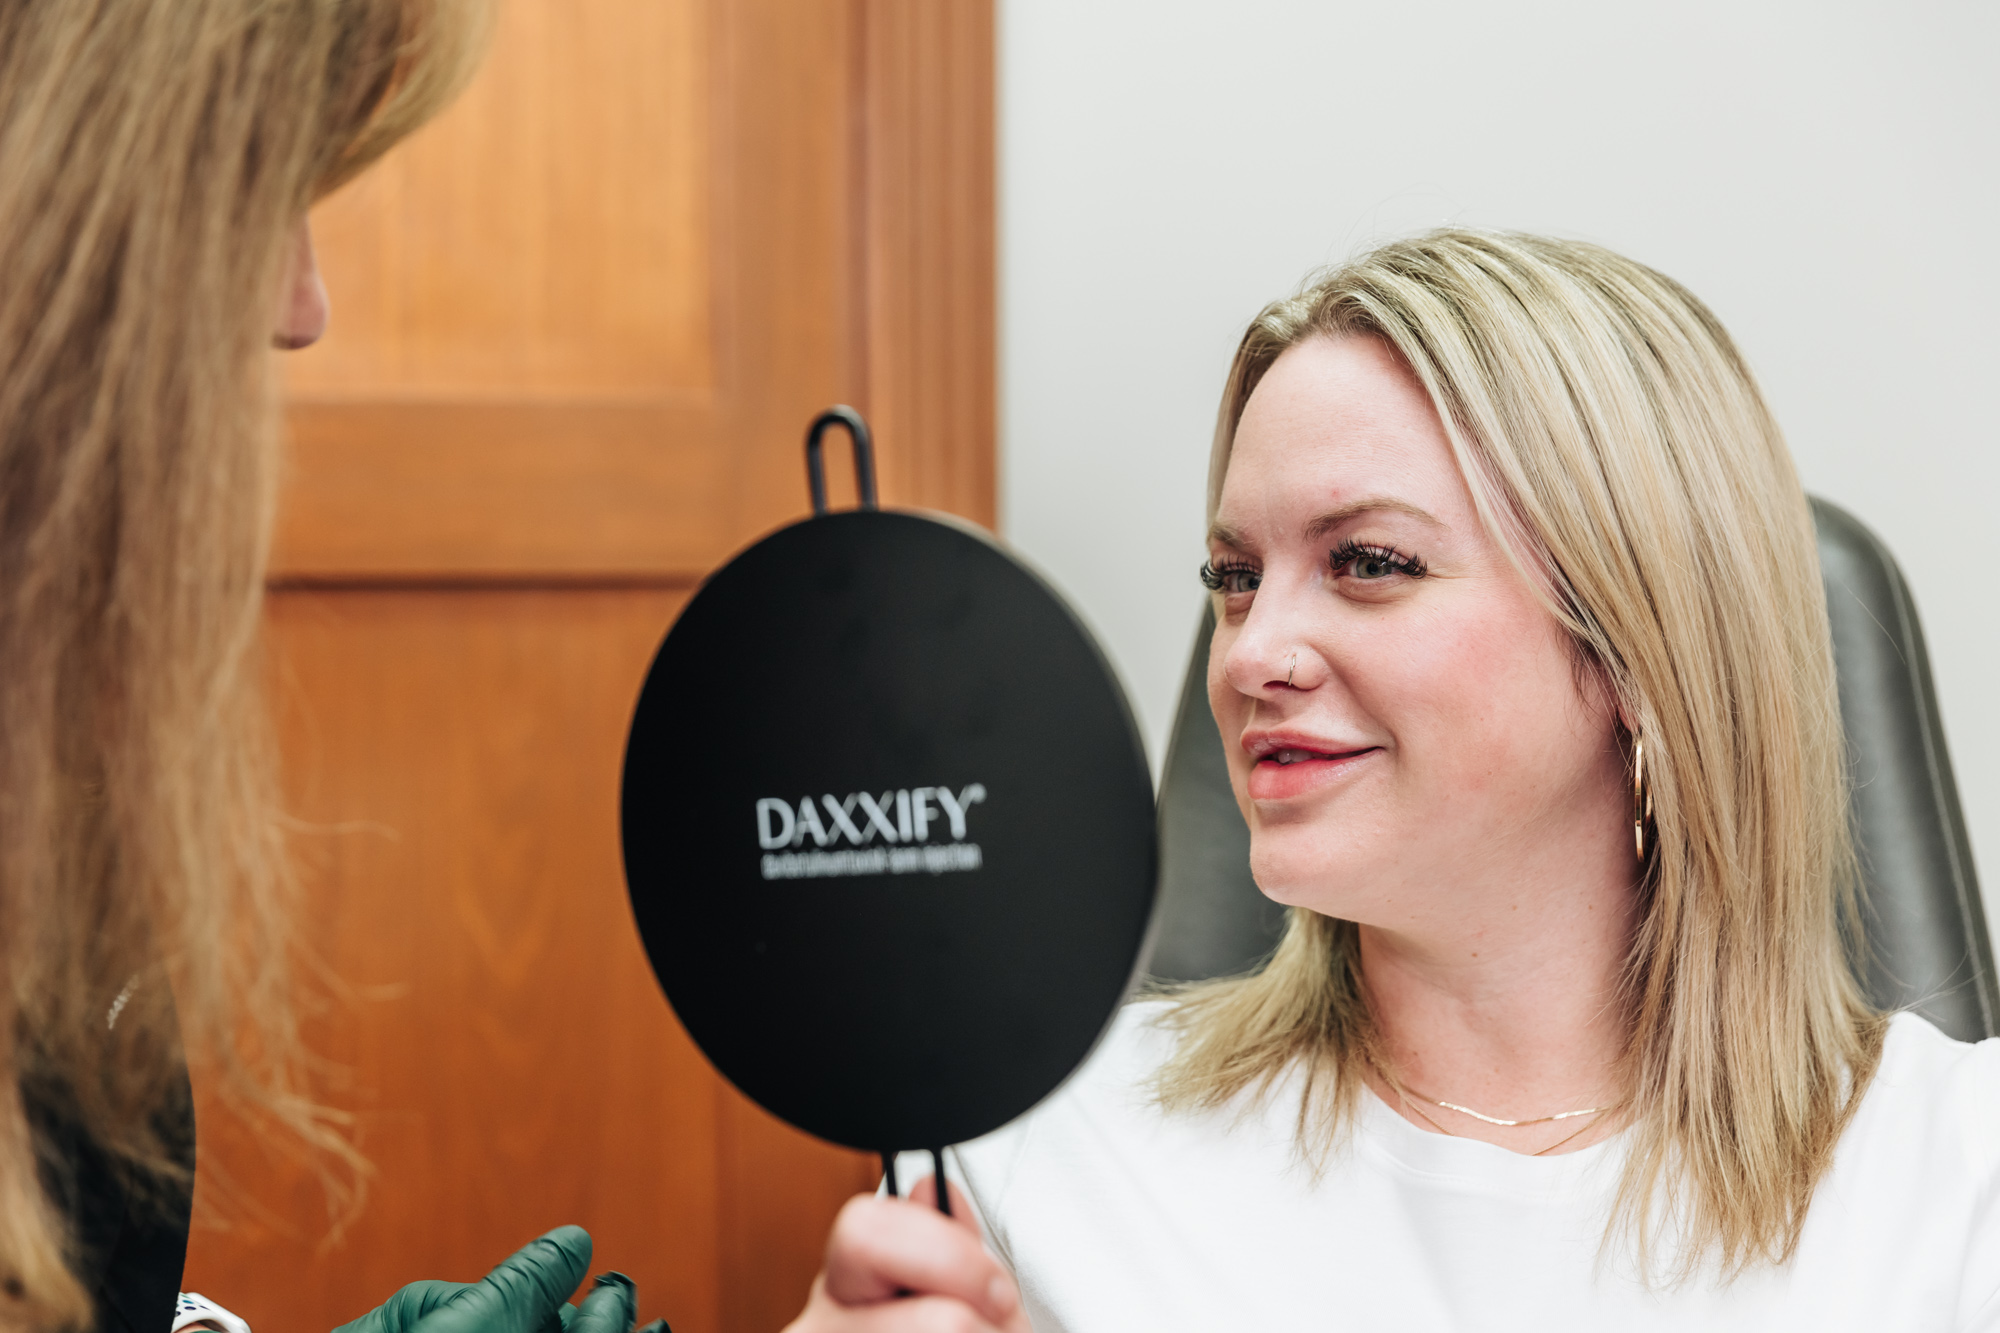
(1510, 1124)
(1406, 1094)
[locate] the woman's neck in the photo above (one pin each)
(1511, 1007)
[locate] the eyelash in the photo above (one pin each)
(1348, 552)
(1216, 577)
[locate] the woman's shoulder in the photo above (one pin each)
(1914, 1188)
(1139, 1040)
(1116, 1080)
(1950, 1087)
(1917, 1057)
(1105, 1112)
(1111, 1091)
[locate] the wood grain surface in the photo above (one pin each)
(550, 238)
(579, 327)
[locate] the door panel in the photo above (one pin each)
(579, 327)
(425, 491)
(550, 237)
(454, 759)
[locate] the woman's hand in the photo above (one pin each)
(901, 1266)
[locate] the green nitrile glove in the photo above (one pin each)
(523, 1295)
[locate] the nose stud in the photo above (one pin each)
(1294, 669)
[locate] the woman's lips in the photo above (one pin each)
(1295, 771)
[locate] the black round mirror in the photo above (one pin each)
(888, 830)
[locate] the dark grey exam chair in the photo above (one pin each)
(1926, 928)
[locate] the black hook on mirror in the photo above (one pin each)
(864, 456)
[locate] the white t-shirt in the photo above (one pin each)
(1115, 1215)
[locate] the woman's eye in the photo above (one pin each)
(1372, 567)
(1230, 578)
(1374, 564)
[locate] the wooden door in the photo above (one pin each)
(579, 327)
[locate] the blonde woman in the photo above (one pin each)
(1522, 668)
(157, 158)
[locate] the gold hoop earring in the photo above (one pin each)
(1642, 796)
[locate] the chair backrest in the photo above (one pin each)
(1928, 949)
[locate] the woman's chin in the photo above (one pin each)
(1305, 875)
(1329, 875)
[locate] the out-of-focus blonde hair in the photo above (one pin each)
(1617, 447)
(155, 159)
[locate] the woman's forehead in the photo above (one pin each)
(1336, 428)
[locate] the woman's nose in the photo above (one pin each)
(302, 303)
(1268, 656)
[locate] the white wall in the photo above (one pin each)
(1825, 174)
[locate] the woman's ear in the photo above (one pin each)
(1600, 692)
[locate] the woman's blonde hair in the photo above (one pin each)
(1617, 447)
(156, 157)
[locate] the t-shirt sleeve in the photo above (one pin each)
(1979, 1291)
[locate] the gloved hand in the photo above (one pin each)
(523, 1295)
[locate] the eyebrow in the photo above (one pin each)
(1224, 535)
